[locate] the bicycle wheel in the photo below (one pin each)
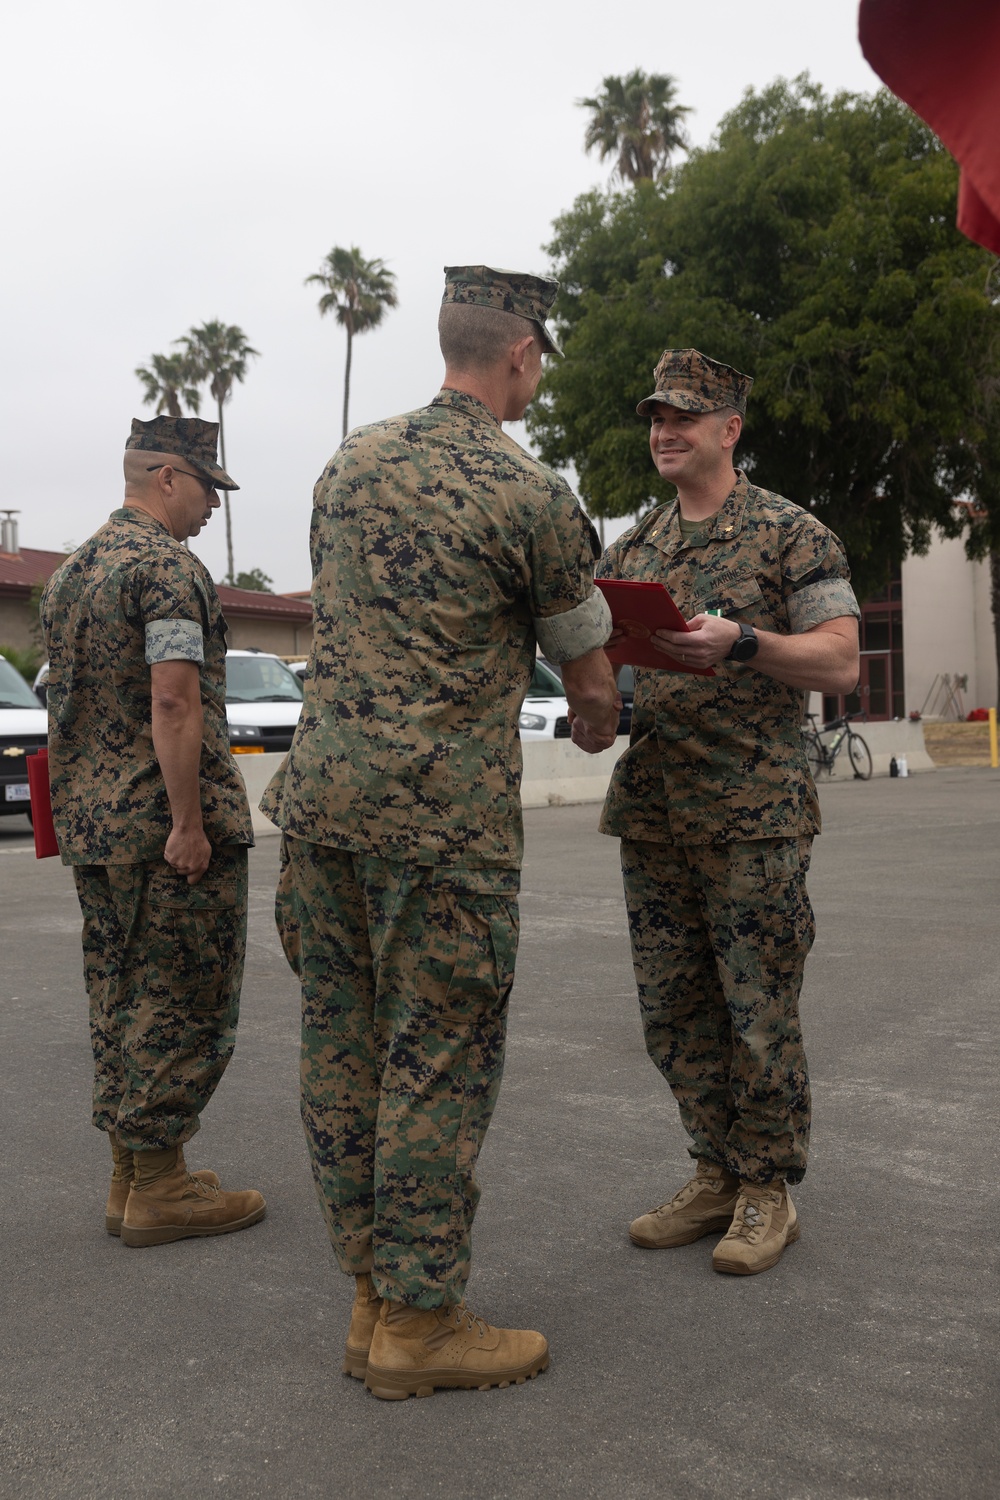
(860, 756)
(814, 754)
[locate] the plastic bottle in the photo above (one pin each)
(902, 766)
(893, 767)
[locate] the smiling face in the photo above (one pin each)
(691, 448)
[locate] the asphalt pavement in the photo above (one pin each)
(862, 1367)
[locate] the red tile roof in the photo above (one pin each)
(20, 571)
(251, 603)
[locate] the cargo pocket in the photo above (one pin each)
(486, 918)
(195, 934)
(791, 927)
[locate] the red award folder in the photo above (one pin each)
(638, 609)
(41, 805)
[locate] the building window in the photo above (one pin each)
(879, 694)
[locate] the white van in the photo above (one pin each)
(24, 728)
(263, 702)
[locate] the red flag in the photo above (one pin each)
(944, 62)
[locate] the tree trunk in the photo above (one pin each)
(347, 380)
(230, 576)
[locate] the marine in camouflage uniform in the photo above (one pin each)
(716, 810)
(442, 553)
(163, 937)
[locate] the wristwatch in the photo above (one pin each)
(746, 644)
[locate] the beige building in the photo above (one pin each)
(927, 642)
(948, 631)
(278, 623)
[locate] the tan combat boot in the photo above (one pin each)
(765, 1222)
(415, 1350)
(704, 1205)
(364, 1316)
(166, 1203)
(121, 1180)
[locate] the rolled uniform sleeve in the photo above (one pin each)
(570, 616)
(816, 580)
(174, 612)
(174, 640)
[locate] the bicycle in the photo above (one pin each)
(821, 754)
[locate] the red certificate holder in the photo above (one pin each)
(41, 805)
(639, 609)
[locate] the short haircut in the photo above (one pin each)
(477, 338)
(138, 461)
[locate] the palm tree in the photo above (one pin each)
(169, 379)
(219, 353)
(636, 119)
(358, 291)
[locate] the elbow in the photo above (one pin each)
(168, 705)
(846, 683)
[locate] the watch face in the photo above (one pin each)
(746, 647)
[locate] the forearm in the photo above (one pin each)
(591, 690)
(823, 660)
(178, 731)
(817, 661)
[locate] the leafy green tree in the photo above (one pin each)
(219, 354)
(256, 579)
(26, 662)
(358, 291)
(812, 245)
(169, 379)
(637, 121)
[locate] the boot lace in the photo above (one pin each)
(750, 1212)
(684, 1194)
(195, 1188)
(465, 1319)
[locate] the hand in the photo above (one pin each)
(708, 641)
(593, 738)
(188, 853)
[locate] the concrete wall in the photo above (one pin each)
(556, 772)
(947, 626)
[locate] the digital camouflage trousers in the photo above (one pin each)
(163, 964)
(720, 934)
(406, 972)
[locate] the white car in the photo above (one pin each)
(544, 710)
(24, 728)
(263, 702)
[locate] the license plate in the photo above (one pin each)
(18, 793)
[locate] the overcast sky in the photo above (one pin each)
(164, 165)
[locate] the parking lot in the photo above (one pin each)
(863, 1367)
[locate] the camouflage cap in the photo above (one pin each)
(188, 437)
(693, 382)
(516, 292)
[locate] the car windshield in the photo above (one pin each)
(14, 691)
(544, 683)
(260, 679)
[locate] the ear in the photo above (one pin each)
(519, 353)
(731, 431)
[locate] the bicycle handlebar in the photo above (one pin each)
(840, 723)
